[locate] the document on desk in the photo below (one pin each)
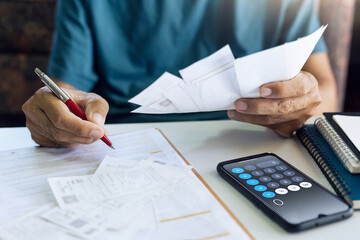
(143, 190)
(145, 175)
(24, 172)
(217, 81)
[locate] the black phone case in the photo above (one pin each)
(273, 214)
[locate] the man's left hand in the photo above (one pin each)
(284, 106)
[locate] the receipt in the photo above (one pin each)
(145, 175)
(85, 224)
(217, 81)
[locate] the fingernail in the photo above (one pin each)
(98, 118)
(265, 92)
(241, 106)
(96, 134)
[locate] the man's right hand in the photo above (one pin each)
(53, 125)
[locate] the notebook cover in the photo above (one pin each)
(350, 182)
(337, 128)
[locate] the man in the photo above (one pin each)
(117, 48)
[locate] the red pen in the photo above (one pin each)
(74, 108)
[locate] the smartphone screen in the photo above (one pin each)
(284, 193)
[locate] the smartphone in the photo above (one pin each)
(283, 193)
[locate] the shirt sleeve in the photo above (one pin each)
(305, 20)
(72, 55)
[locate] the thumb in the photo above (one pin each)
(95, 107)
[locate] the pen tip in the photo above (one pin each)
(112, 147)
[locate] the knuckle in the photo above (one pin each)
(256, 106)
(96, 99)
(40, 92)
(285, 107)
(25, 107)
(302, 89)
(58, 121)
(80, 130)
(312, 81)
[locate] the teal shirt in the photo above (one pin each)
(117, 48)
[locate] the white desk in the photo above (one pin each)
(204, 144)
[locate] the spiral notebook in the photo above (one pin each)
(332, 154)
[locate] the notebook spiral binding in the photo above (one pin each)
(332, 137)
(325, 165)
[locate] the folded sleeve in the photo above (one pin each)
(72, 54)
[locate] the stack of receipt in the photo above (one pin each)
(217, 81)
(118, 198)
(127, 199)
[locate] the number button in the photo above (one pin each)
(250, 167)
(252, 182)
(273, 185)
(285, 182)
(277, 176)
(245, 176)
(305, 185)
(289, 173)
(294, 188)
(260, 188)
(237, 170)
(269, 170)
(281, 168)
(281, 191)
(265, 179)
(297, 179)
(268, 194)
(257, 173)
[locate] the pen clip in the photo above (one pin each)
(52, 85)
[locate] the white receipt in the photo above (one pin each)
(145, 175)
(217, 81)
(32, 226)
(165, 201)
(85, 224)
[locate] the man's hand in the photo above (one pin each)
(285, 105)
(53, 125)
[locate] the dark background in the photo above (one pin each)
(352, 99)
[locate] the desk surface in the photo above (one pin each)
(204, 144)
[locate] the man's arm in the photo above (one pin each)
(319, 66)
(286, 105)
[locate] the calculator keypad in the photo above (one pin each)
(271, 179)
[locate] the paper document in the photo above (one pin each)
(145, 175)
(143, 190)
(351, 127)
(217, 81)
(24, 172)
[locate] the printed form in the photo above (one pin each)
(144, 190)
